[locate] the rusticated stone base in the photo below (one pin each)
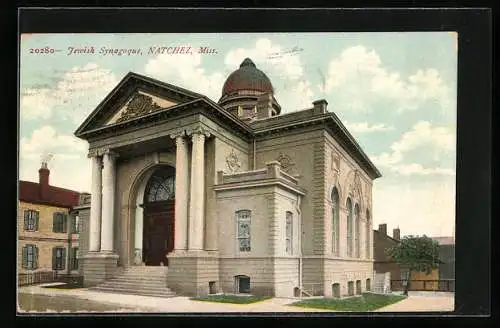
(193, 273)
(98, 267)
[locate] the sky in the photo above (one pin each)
(395, 93)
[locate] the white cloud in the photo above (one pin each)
(75, 95)
(69, 165)
(359, 76)
(292, 90)
(365, 127)
(266, 53)
(428, 209)
(186, 71)
(436, 139)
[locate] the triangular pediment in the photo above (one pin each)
(139, 104)
(135, 96)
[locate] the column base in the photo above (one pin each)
(193, 272)
(98, 266)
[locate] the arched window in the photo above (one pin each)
(368, 235)
(243, 221)
(349, 227)
(357, 234)
(161, 186)
(335, 221)
(289, 233)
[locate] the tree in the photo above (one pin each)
(416, 254)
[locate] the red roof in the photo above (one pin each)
(30, 192)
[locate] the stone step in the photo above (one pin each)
(143, 274)
(155, 293)
(133, 283)
(148, 268)
(135, 288)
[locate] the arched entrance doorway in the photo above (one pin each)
(158, 226)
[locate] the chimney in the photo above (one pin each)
(320, 106)
(396, 234)
(382, 228)
(43, 179)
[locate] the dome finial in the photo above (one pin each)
(247, 62)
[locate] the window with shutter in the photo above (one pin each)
(25, 220)
(54, 264)
(30, 220)
(30, 257)
(59, 222)
(25, 257)
(35, 262)
(65, 223)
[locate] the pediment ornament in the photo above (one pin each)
(139, 105)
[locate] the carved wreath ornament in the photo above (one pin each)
(139, 105)
(285, 161)
(233, 162)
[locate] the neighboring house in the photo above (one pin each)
(447, 259)
(47, 226)
(232, 196)
(383, 263)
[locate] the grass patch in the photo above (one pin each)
(234, 299)
(364, 303)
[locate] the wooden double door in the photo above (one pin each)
(158, 229)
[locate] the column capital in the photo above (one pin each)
(95, 152)
(198, 130)
(178, 134)
(110, 153)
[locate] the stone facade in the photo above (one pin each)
(253, 195)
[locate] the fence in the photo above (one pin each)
(447, 285)
(37, 277)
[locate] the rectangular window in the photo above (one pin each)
(31, 220)
(30, 257)
(59, 223)
(243, 233)
(74, 258)
(58, 258)
(289, 232)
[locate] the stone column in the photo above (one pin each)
(95, 205)
(181, 191)
(108, 201)
(197, 192)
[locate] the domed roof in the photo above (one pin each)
(247, 77)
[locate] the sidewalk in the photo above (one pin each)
(418, 303)
(183, 304)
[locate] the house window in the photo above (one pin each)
(335, 221)
(349, 227)
(59, 223)
(31, 220)
(289, 232)
(58, 258)
(243, 233)
(356, 231)
(74, 258)
(75, 224)
(30, 257)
